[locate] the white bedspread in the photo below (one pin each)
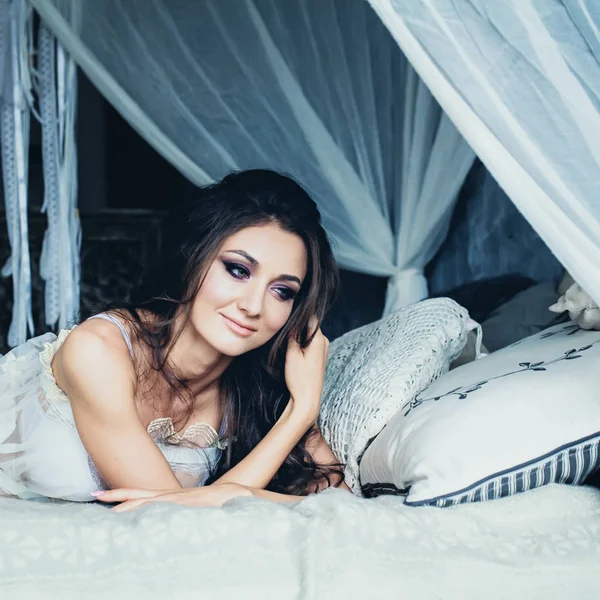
(543, 544)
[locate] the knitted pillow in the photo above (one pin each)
(376, 370)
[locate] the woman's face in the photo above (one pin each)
(248, 293)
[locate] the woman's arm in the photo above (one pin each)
(214, 495)
(219, 493)
(95, 370)
(304, 374)
(260, 466)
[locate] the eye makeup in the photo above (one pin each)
(240, 272)
(256, 264)
(236, 270)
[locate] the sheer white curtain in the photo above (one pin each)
(521, 80)
(316, 89)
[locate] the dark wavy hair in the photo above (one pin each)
(253, 389)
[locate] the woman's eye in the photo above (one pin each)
(237, 271)
(285, 293)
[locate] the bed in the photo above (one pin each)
(544, 543)
(541, 544)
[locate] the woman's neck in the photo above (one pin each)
(197, 362)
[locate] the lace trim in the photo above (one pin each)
(49, 385)
(163, 426)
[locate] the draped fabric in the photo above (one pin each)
(521, 81)
(15, 39)
(59, 263)
(319, 90)
(45, 88)
(489, 238)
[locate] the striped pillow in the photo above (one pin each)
(522, 417)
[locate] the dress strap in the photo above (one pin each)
(118, 323)
(120, 326)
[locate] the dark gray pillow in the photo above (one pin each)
(523, 315)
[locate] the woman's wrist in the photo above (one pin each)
(234, 489)
(274, 496)
(249, 491)
(244, 491)
(299, 413)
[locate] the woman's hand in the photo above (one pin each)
(209, 496)
(305, 372)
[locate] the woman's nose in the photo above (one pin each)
(251, 299)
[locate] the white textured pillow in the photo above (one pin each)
(376, 370)
(522, 417)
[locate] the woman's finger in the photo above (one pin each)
(133, 504)
(123, 494)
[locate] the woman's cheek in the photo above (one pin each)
(280, 316)
(219, 287)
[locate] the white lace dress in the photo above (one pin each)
(41, 454)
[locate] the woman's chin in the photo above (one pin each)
(232, 347)
(233, 352)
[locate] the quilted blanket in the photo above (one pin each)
(541, 544)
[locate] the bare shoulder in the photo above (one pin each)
(98, 340)
(94, 362)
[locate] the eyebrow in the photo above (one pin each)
(255, 263)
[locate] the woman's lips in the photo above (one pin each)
(237, 328)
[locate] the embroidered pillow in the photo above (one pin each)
(378, 369)
(520, 418)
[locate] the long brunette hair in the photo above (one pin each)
(253, 389)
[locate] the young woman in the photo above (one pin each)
(206, 386)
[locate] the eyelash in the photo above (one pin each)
(284, 293)
(232, 267)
